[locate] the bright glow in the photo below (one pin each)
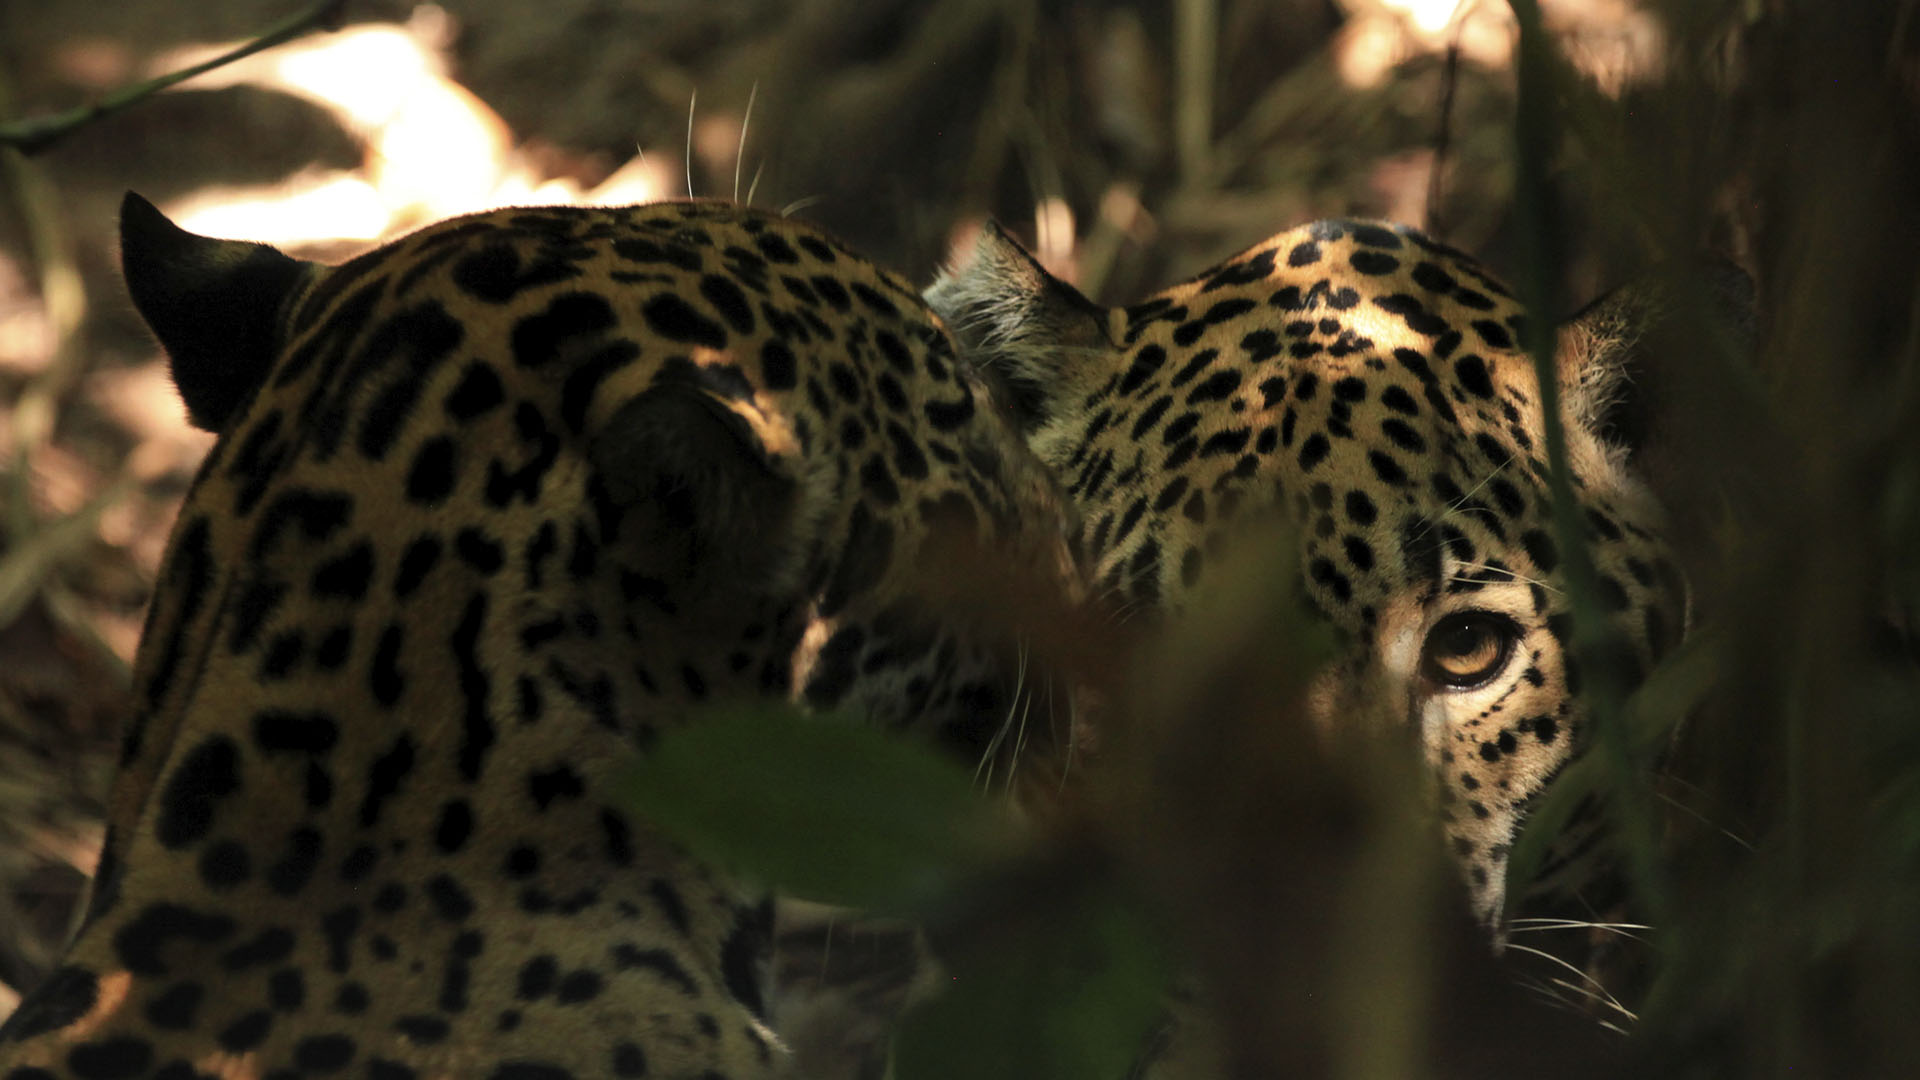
(1120, 207)
(434, 150)
(1611, 40)
(1431, 16)
(1053, 236)
(639, 180)
(369, 73)
(443, 153)
(1366, 49)
(305, 210)
(27, 337)
(1381, 34)
(716, 143)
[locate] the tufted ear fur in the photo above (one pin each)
(1025, 325)
(1632, 359)
(214, 304)
(717, 487)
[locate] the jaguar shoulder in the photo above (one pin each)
(490, 508)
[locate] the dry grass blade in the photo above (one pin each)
(1196, 44)
(24, 569)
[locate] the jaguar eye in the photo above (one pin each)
(1467, 648)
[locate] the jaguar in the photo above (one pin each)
(492, 510)
(1368, 385)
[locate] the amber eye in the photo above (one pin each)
(1467, 648)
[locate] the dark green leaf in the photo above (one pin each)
(817, 807)
(1070, 997)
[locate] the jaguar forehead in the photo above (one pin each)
(1367, 382)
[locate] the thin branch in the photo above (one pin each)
(33, 135)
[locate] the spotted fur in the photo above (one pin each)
(1367, 383)
(492, 507)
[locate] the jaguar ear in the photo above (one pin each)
(1629, 360)
(1021, 324)
(716, 483)
(214, 304)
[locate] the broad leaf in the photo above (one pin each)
(817, 807)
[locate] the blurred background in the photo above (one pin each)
(1128, 145)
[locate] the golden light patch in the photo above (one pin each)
(433, 149)
(769, 423)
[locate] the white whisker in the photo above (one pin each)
(1541, 923)
(1593, 990)
(740, 151)
(1453, 507)
(1670, 800)
(1019, 740)
(1563, 994)
(1466, 572)
(755, 185)
(691, 99)
(983, 772)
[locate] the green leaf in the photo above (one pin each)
(1070, 997)
(817, 806)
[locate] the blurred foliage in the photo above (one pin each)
(1782, 840)
(1047, 971)
(1066, 988)
(818, 807)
